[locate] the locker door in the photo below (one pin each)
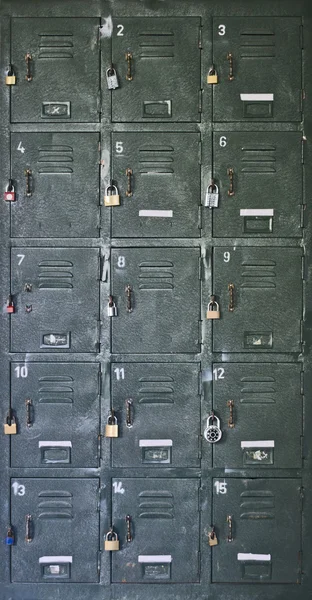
(261, 312)
(57, 409)
(255, 53)
(258, 522)
(158, 63)
(158, 411)
(164, 524)
(160, 319)
(263, 426)
(56, 524)
(56, 297)
(63, 70)
(165, 184)
(64, 185)
(267, 179)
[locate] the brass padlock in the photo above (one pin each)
(10, 427)
(212, 76)
(111, 427)
(10, 78)
(213, 309)
(111, 542)
(212, 538)
(113, 198)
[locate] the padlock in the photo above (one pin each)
(111, 78)
(212, 196)
(111, 427)
(111, 308)
(9, 538)
(212, 538)
(212, 76)
(10, 427)
(111, 541)
(9, 194)
(213, 309)
(10, 78)
(112, 199)
(213, 433)
(10, 308)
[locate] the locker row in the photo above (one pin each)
(158, 300)
(159, 415)
(151, 185)
(155, 69)
(247, 540)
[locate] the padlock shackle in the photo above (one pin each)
(113, 187)
(10, 187)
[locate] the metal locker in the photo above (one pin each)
(256, 288)
(266, 180)
(157, 406)
(158, 178)
(169, 506)
(258, 523)
(158, 63)
(260, 408)
(56, 179)
(56, 297)
(56, 61)
(56, 524)
(150, 287)
(57, 411)
(258, 81)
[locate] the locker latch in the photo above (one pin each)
(28, 59)
(129, 57)
(129, 532)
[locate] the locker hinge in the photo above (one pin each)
(301, 36)
(202, 498)
(200, 152)
(200, 101)
(198, 564)
(99, 556)
(200, 439)
(301, 494)
(303, 147)
(200, 40)
(301, 333)
(302, 211)
(99, 101)
(302, 383)
(299, 566)
(100, 375)
(99, 449)
(303, 268)
(200, 384)
(99, 324)
(105, 267)
(200, 339)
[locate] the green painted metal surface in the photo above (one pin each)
(104, 301)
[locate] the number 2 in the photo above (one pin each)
(120, 29)
(218, 373)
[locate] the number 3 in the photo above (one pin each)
(221, 29)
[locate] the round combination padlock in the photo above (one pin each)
(213, 433)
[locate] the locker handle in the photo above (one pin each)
(231, 418)
(230, 173)
(29, 533)
(230, 59)
(28, 59)
(129, 533)
(28, 404)
(231, 288)
(230, 528)
(28, 175)
(129, 291)
(129, 413)
(129, 174)
(129, 58)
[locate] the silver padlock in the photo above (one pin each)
(212, 196)
(213, 433)
(111, 307)
(111, 78)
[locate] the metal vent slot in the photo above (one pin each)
(51, 390)
(53, 159)
(258, 159)
(155, 501)
(153, 273)
(55, 46)
(156, 44)
(257, 276)
(55, 494)
(257, 390)
(52, 275)
(258, 502)
(257, 44)
(154, 160)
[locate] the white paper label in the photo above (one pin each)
(258, 444)
(155, 558)
(55, 559)
(156, 213)
(257, 97)
(262, 557)
(256, 212)
(154, 443)
(55, 444)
